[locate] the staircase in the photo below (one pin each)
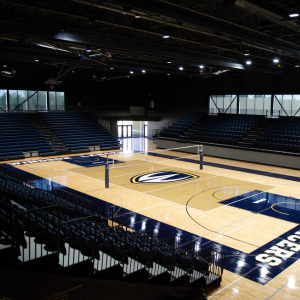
(48, 134)
(194, 128)
(255, 132)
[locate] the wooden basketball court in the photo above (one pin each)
(250, 210)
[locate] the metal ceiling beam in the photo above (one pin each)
(276, 15)
(176, 12)
(120, 42)
(132, 45)
(17, 54)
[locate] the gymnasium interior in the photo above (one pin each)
(149, 149)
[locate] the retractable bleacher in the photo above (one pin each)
(51, 234)
(226, 129)
(282, 135)
(19, 136)
(79, 132)
(181, 126)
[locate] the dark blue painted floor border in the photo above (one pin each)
(237, 261)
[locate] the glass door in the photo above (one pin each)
(124, 131)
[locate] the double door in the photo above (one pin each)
(124, 131)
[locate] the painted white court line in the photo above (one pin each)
(163, 200)
(225, 287)
(192, 181)
(176, 209)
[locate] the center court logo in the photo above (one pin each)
(162, 177)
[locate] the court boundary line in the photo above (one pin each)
(179, 208)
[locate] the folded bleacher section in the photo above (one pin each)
(226, 129)
(19, 136)
(79, 132)
(181, 126)
(88, 240)
(282, 135)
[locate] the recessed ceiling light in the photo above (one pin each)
(131, 72)
(137, 16)
(36, 60)
(248, 62)
(165, 33)
(246, 54)
(111, 68)
(201, 66)
(297, 66)
(168, 74)
(276, 60)
(4, 66)
(180, 68)
(88, 48)
(143, 71)
(169, 60)
(294, 15)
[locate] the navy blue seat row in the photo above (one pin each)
(79, 131)
(19, 135)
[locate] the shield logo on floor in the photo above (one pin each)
(162, 177)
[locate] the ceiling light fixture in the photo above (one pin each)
(201, 67)
(276, 60)
(169, 60)
(131, 72)
(181, 68)
(88, 48)
(248, 62)
(165, 33)
(143, 71)
(111, 68)
(4, 66)
(168, 74)
(36, 60)
(294, 15)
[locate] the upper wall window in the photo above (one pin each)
(3, 99)
(255, 104)
(56, 101)
(223, 104)
(286, 105)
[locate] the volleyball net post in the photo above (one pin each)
(107, 174)
(200, 152)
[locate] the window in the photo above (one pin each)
(56, 101)
(3, 99)
(286, 105)
(255, 104)
(223, 104)
(33, 101)
(42, 100)
(13, 99)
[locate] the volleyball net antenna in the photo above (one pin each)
(158, 162)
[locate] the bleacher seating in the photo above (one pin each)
(226, 129)
(79, 131)
(282, 135)
(178, 128)
(19, 135)
(56, 222)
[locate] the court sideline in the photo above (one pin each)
(215, 207)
